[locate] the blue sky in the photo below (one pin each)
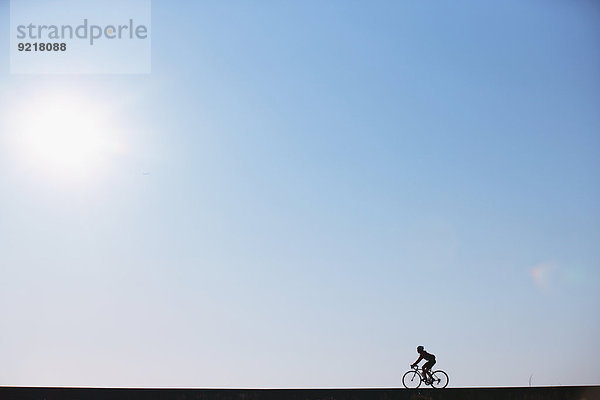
(308, 191)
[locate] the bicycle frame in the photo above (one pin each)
(421, 374)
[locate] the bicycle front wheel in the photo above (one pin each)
(411, 380)
(440, 379)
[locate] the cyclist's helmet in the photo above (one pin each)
(420, 348)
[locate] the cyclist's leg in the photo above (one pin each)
(427, 368)
(431, 364)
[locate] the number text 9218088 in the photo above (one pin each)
(42, 46)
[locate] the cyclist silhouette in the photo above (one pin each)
(427, 366)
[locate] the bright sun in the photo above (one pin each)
(66, 136)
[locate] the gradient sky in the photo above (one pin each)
(306, 192)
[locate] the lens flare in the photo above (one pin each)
(541, 275)
(66, 136)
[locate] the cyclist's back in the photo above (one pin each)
(427, 356)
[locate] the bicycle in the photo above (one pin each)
(412, 379)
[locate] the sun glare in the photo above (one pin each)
(66, 136)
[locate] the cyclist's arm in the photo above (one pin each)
(418, 360)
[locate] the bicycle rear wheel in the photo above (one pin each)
(411, 380)
(440, 379)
